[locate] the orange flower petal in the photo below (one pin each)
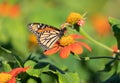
(65, 51)
(13, 74)
(12, 80)
(85, 45)
(76, 36)
(16, 71)
(76, 48)
(52, 50)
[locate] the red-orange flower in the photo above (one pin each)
(9, 10)
(9, 77)
(15, 11)
(68, 44)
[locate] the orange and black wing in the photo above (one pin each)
(38, 28)
(47, 35)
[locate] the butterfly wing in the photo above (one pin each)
(48, 38)
(38, 28)
(47, 35)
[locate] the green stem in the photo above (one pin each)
(101, 57)
(96, 42)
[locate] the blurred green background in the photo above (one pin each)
(14, 34)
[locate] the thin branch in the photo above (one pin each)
(99, 57)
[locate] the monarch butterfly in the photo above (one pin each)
(46, 35)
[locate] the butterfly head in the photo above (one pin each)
(63, 31)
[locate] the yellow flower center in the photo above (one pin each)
(4, 77)
(66, 40)
(73, 18)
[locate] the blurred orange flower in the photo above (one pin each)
(101, 24)
(9, 10)
(15, 11)
(68, 44)
(32, 39)
(32, 42)
(75, 18)
(4, 9)
(9, 77)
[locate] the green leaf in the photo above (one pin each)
(108, 66)
(31, 81)
(31, 71)
(115, 78)
(114, 21)
(18, 60)
(35, 69)
(6, 66)
(115, 24)
(68, 78)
